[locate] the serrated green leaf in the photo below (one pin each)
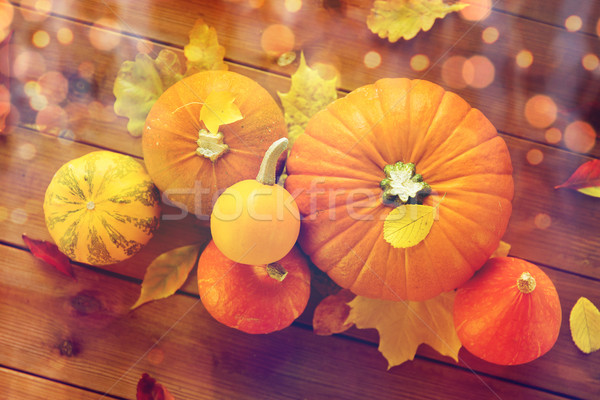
(408, 225)
(167, 273)
(395, 19)
(585, 325)
(308, 94)
(203, 52)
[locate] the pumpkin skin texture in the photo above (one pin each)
(499, 323)
(191, 181)
(246, 298)
(101, 208)
(335, 169)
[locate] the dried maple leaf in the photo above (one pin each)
(308, 94)
(586, 179)
(49, 253)
(395, 19)
(167, 273)
(585, 325)
(203, 52)
(332, 313)
(404, 325)
(149, 389)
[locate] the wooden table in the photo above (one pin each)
(61, 339)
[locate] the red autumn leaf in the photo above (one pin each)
(49, 253)
(331, 313)
(585, 179)
(149, 389)
(4, 84)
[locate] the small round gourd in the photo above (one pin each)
(101, 208)
(508, 313)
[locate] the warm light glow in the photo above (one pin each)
(26, 151)
(372, 59)
(535, 156)
(32, 88)
(490, 35)
(38, 102)
(43, 6)
(524, 59)
(540, 111)
(277, 39)
(542, 221)
(18, 216)
(86, 69)
(326, 71)
(54, 86)
(256, 3)
(7, 13)
(477, 10)
(29, 65)
(452, 72)
(64, 36)
(52, 119)
(293, 5)
(573, 23)
(101, 37)
(580, 137)
(3, 214)
(598, 27)
(553, 135)
(419, 62)
(144, 47)
(40, 39)
(41, 9)
(478, 72)
(590, 61)
(156, 356)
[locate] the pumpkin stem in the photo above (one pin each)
(401, 185)
(526, 283)
(210, 145)
(268, 167)
(276, 271)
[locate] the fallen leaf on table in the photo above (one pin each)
(502, 250)
(219, 109)
(149, 389)
(167, 273)
(586, 179)
(404, 325)
(49, 253)
(309, 93)
(332, 313)
(395, 19)
(408, 225)
(4, 106)
(203, 52)
(585, 325)
(140, 83)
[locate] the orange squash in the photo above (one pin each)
(337, 172)
(509, 313)
(187, 163)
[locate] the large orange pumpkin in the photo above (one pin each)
(336, 168)
(192, 166)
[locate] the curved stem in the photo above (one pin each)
(526, 283)
(266, 173)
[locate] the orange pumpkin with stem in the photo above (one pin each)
(434, 145)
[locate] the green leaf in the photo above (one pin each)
(219, 109)
(404, 325)
(585, 325)
(395, 19)
(203, 52)
(139, 84)
(408, 225)
(308, 94)
(167, 273)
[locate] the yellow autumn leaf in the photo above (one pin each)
(167, 273)
(408, 225)
(502, 250)
(585, 325)
(404, 325)
(219, 109)
(395, 19)
(309, 93)
(203, 52)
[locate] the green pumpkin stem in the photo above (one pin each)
(268, 167)
(210, 145)
(526, 283)
(276, 271)
(402, 186)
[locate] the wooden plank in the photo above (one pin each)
(556, 71)
(106, 348)
(17, 385)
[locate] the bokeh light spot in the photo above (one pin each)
(540, 111)
(490, 35)
(535, 156)
(326, 70)
(52, 119)
(156, 356)
(553, 135)
(101, 34)
(573, 23)
(41, 9)
(86, 69)
(542, 221)
(277, 39)
(26, 151)
(580, 137)
(54, 86)
(40, 39)
(372, 59)
(38, 102)
(477, 10)
(18, 216)
(256, 3)
(524, 58)
(29, 65)
(7, 12)
(478, 72)
(590, 62)
(64, 36)
(419, 62)
(32, 88)
(293, 5)
(452, 72)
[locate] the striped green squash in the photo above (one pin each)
(101, 208)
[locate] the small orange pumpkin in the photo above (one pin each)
(190, 165)
(337, 169)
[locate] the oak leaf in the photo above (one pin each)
(408, 225)
(203, 52)
(219, 109)
(404, 325)
(331, 314)
(149, 389)
(586, 179)
(585, 325)
(395, 19)
(50, 254)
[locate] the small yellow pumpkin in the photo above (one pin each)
(101, 208)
